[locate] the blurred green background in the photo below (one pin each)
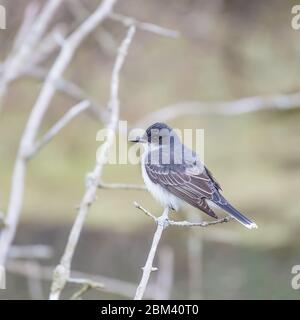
(228, 50)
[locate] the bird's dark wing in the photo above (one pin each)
(213, 179)
(187, 183)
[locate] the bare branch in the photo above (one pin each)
(149, 263)
(30, 15)
(70, 89)
(162, 223)
(147, 213)
(36, 116)
(150, 27)
(16, 60)
(83, 281)
(62, 271)
(78, 294)
(46, 47)
(226, 108)
(198, 224)
(111, 285)
(103, 38)
(63, 122)
(31, 252)
(86, 285)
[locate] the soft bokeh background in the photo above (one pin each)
(228, 50)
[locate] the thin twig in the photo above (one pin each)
(62, 271)
(62, 122)
(162, 223)
(103, 38)
(30, 15)
(149, 263)
(198, 224)
(31, 252)
(147, 213)
(87, 284)
(16, 60)
(150, 27)
(70, 89)
(225, 108)
(78, 294)
(83, 281)
(48, 46)
(111, 285)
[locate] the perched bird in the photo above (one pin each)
(174, 174)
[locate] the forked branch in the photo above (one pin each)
(162, 223)
(62, 271)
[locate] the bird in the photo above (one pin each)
(174, 175)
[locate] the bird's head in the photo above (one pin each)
(157, 134)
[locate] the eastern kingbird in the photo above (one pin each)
(174, 173)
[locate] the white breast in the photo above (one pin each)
(164, 197)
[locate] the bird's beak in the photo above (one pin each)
(138, 140)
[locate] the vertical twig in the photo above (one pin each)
(62, 271)
(161, 224)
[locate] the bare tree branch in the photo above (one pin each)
(150, 27)
(30, 14)
(22, 53)
(36, 116)
(64, 121)
(235, 107)
(149, 263)
(46, 47)
(70, 89)
(86, 285)
(31, 252)
(103, 38)
(62, 271)
(147, 213)
(111, 285)
(162, 223)
(78, 294)
(198, 224)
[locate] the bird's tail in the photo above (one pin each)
(238, 216)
